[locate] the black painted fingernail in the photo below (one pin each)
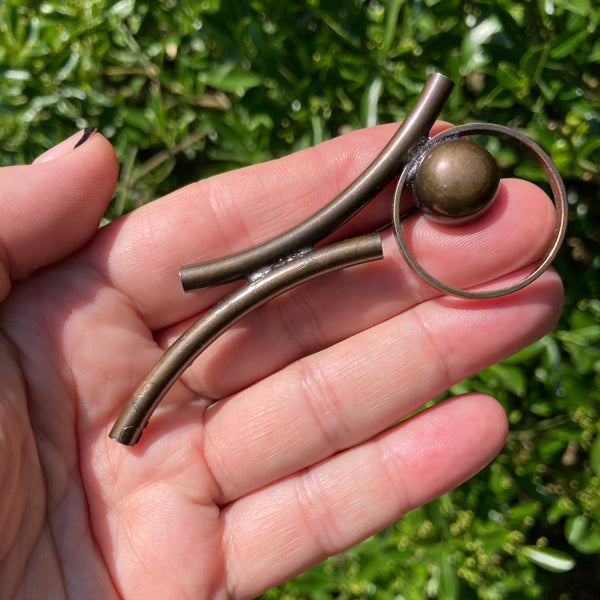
(87, 133)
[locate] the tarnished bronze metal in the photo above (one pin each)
(559, 196)
(456, 181)
(290, 259)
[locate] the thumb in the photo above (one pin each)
(51, 208)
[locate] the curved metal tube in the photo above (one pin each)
(134, 417)
(412, 133)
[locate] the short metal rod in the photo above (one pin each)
(390, 161)
(134, 417)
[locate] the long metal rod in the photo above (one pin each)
(134, 417)
(412, 132)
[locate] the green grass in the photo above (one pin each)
(188, 89)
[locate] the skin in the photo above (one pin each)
(299, 458)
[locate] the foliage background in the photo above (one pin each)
(187, 89)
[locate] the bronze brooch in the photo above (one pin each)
(290, 258)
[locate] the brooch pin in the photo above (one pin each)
(453, 179)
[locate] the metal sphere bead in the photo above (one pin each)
(456, 181)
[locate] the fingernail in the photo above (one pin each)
(87, 134)
(65, 146)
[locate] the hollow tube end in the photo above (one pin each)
(184, 278)
(189, 277)
(441, 78)
(128, 435)
(210, 273)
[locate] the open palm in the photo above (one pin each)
(299, 458)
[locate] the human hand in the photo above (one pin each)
(299, 458)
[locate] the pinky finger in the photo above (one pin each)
(284, 529)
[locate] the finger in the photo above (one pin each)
(141, 254)
(317, 314)
(52, 207)
(333, 399)
(284, 529)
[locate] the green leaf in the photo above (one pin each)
(568, 45)
(511, 377)
(449, 588)
(526, 508)
(581, 7)
(231, 79)
(370, 102)
(583, 534)
(392, 10)
(595, 455)
(589, 146)
(575, 528)
(138, 119)
(122, 9)
(549, 559)
(511, 78)
(526, 354)
(474, 52)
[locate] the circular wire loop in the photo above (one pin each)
(559, 197)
